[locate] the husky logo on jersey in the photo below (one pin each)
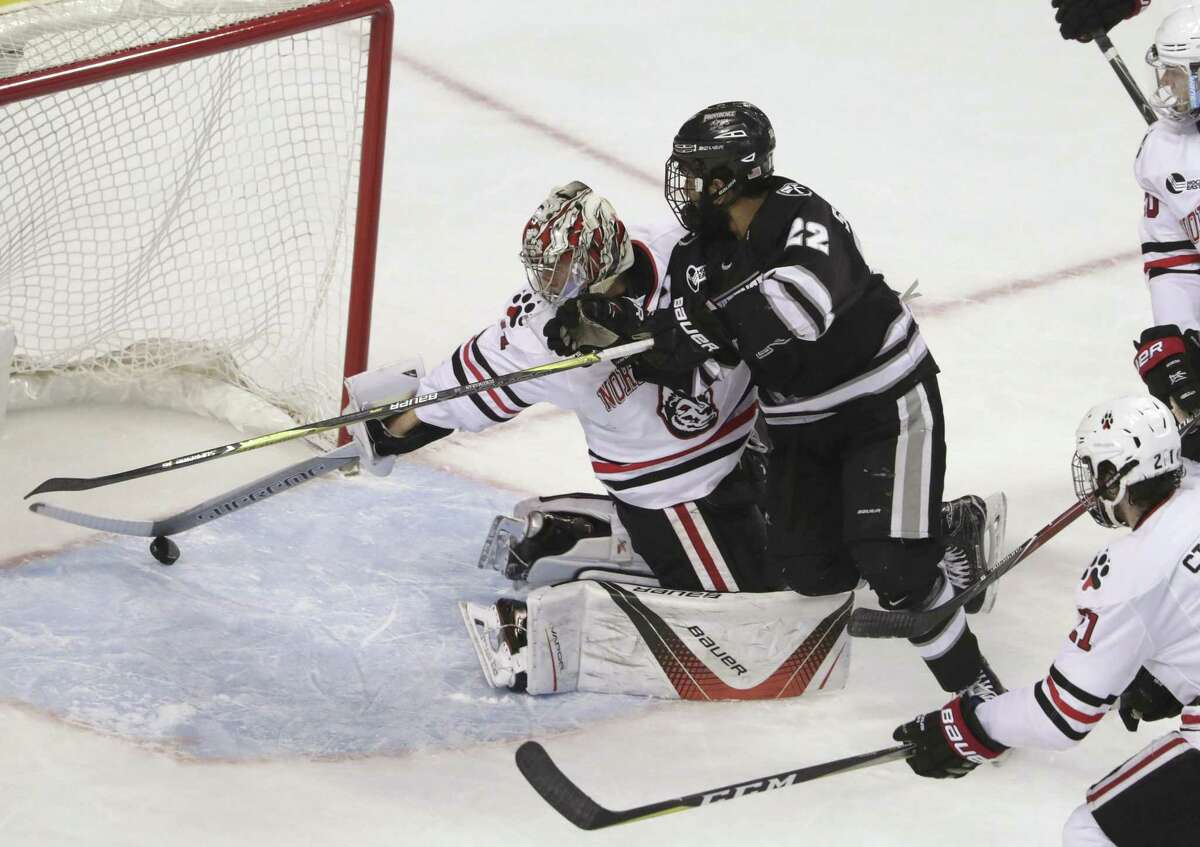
(793, 189)
(1095, 572)
(696, 277)
(686, 417)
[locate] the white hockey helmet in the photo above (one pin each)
(574, 241)
(1118, 444)
(1175, 57)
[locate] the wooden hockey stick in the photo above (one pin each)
(217, 507)
(1131, 87)
(582, 360)
(569, 800)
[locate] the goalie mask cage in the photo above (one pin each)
(189, 197)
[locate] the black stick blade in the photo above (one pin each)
(563, 795)
(64, 483)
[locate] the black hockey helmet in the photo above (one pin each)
(732, 142)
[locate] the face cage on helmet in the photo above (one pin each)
(1166, 100)
(558, 282)
(1101, 508)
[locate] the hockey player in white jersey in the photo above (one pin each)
(1135, 645)
(1168, 170)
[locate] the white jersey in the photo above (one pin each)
(651, 447)
(1139, 606)
(1168, 170)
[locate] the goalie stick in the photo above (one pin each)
(1118, 66)
(217, 507)
(904, 623)
(569, 800)
(581, 360)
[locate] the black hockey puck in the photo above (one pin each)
(164, 550)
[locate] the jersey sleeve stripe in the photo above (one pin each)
(803, 286)
(1172, 262)
(479, 377)
(478, 353)
(1054, 717)
(1078, 693)
(1167, 246)
(1157, 272)
(1067, 709)
(729, 426)
(461, 376)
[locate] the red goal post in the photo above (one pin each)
(194, 191)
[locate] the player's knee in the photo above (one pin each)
(1081, 830)
(901, 572)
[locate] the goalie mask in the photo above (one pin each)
(1118, 444)
(732, 143)
(1175, 57)
(574, 242)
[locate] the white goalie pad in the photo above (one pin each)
(527, 548)
(397, 381)
(687, 645)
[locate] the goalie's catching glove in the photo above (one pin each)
(950, 742)
(1079, 20)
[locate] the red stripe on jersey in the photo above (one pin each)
(1166, 748)
(689, 526)
(1171, 262)
(1066, 709)
(728, 427)
(479, 377)
(1190, 720)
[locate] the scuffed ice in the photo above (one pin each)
(322, 623)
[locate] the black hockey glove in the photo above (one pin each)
(386, 444)
(1166, 360)
(1079, 20)
(592, 322)
(950, 742)
(687, 334)
(1147, 699)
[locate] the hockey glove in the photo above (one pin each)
(592, 322)
(948, 743)
(1081, 19)
(1166, 360)
(686, 335)
(1147, 699)
(386, 444)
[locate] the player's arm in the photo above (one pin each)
(1079, 20)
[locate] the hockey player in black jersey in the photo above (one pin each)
(773, 276)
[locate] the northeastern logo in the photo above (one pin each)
(686, 417)
(1095, 572)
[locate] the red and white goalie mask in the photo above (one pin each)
(572, 243)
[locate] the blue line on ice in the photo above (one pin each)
(322, 623)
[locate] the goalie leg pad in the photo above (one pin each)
(612, 638)
(397, 381)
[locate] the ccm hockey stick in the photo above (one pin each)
(217, 507)
(569, 800)
(903, 623)
(1131, 87)
(581, 360)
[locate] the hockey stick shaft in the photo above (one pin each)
(903, 623)
(566, 798)
(232, 501)
(581, 360)
(1130, 84)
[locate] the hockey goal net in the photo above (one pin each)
(190, 199)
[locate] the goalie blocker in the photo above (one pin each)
(605, 637)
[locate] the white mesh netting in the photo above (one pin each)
(196, 219)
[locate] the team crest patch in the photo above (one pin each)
(793, 189)
(1095, 572)
(686, 417)
(518, 310)
(1106, 422)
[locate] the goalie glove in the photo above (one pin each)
(593, 322)
(1146, 699)
(1166, 359)
(948, 743)
(1079, 20)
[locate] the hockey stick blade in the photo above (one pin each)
(1127, 81)
(217, 507)
(581, 360)
(566, 798)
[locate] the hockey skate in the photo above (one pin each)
(555, 539)
(499, 636)
(974, 532)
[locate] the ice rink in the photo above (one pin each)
(300, 677)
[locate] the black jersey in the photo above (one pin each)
(817, 328)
